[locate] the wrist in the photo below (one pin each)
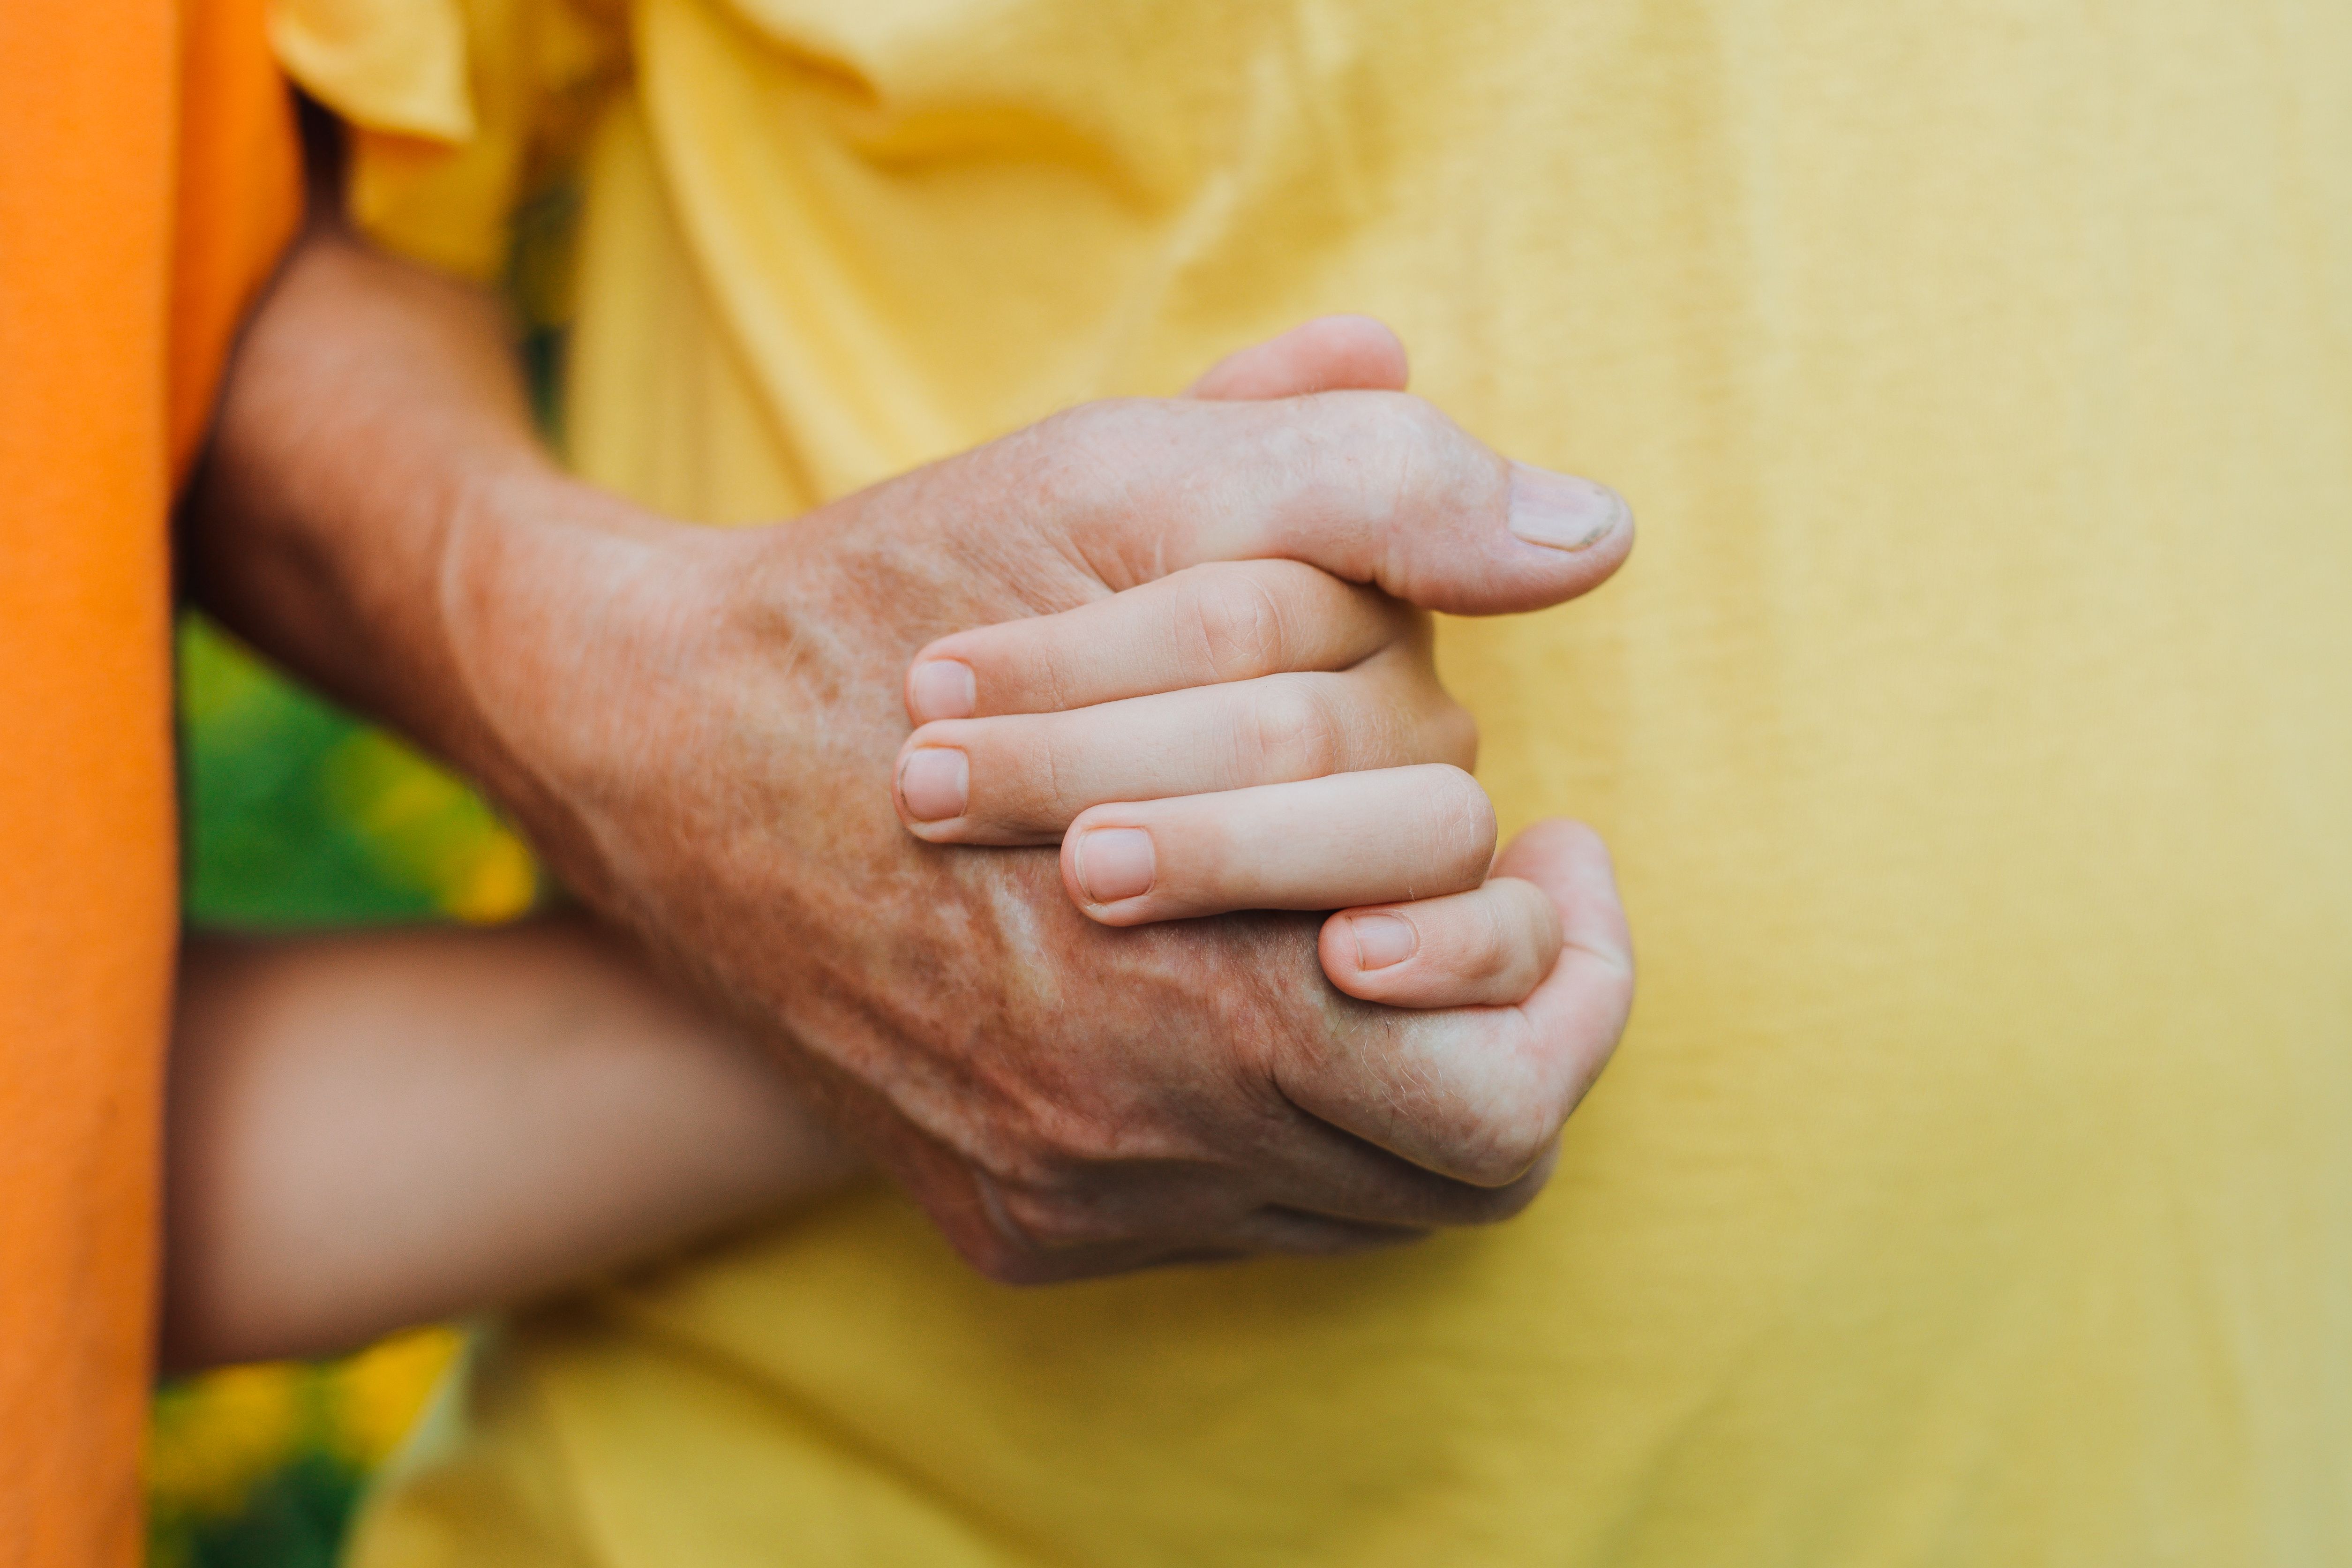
(555, 605)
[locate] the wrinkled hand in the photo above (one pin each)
(699, 728)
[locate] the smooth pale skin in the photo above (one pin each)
(1260, 679)
(697, 727)
(369, 1131)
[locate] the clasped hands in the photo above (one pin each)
(1186, 639)
(1259, 734)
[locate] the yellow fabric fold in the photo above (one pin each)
(396, 65)
(461, 110)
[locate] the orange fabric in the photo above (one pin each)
(240, 173)
(107, 364)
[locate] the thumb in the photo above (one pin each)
(1326, 354)
(1373, 486)
(1586, 1000)
(1306, 448)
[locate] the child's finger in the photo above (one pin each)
(1350, 839)
(1520, 1070)
(1589, 993)
(1021, 778)
(1490, 947)
(1227, 621)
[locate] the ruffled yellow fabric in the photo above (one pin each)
(459, 110)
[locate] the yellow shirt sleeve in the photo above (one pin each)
(460, 110)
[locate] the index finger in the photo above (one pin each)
(1204, 625)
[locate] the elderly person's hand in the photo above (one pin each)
(698, 726)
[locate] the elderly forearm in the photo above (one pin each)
(373, 417)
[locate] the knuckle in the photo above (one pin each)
(1071, 457)
(1465, 820)
(996, 1256)
(1522, 926)
(1449, 734)
(1422, 447)
(1288, 732)
(1542, 919)
(1055, 1221)
(986, 1241)
(1401, 420)
(1497, 951)
(1030, 1154)
(1052, 1150)
(1083, 426)
(1396, 451)
(1508, 1146)
(1236, 627)
(1512, 1128)
(1034, 1203)
(1047, 775)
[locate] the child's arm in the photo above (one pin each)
(376, 1129)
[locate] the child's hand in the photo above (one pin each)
(1254, 735)
(1261, 735)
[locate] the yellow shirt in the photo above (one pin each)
(1973, 727)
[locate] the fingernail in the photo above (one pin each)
(1382, 940)
(1113, 863)
(942, 688)
(1562, 510)
(935, 782)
